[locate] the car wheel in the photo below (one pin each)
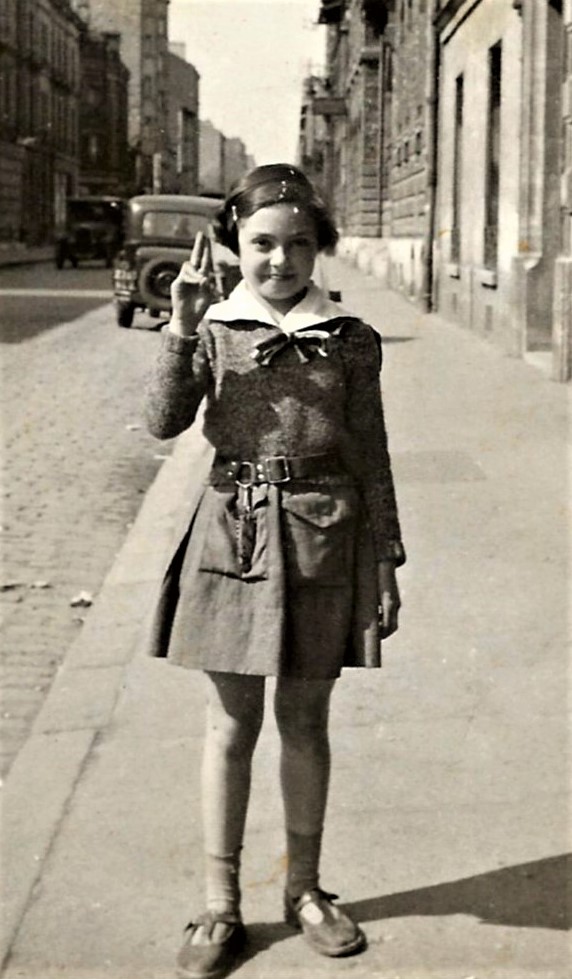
(125, 312)
(155, 282)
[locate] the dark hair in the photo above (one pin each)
(274, 183)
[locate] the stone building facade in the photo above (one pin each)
(181, 172)
(448, 147)
(105, 165)
(562, 321)
(375, 145)
(313, 149)
(39, 100)
(503, 207)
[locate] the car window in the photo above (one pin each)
(94, 211)
(165, 224)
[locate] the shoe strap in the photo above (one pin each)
(210, 918)
(313, 897)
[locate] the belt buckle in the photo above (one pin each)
(283, 464)
(250, 479)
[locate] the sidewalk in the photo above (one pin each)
(448, 821)
(18, 254)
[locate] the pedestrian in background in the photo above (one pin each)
(287, 565)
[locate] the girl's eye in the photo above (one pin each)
(262, 243)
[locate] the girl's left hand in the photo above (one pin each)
(389, 600)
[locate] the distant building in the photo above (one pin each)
(104, 156)
(181, 172)
(39, 92)
(211, 159)
(236, 161)
(223, 160)
(142, 25)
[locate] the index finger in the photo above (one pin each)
(197, 250)
(206, 265)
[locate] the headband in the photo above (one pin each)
(286, 177)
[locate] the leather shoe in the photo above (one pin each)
(327, 929)
(214, 951)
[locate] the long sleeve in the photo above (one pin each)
(177, 384)
(365, 447)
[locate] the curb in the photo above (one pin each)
(49, 767)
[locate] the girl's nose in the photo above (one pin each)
(279, 256)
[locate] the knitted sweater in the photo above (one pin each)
(327, 404)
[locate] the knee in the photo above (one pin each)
(302, 724)
(234, 736)
(235, 710)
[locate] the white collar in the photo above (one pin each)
(242, 304)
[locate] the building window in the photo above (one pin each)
(457, 169)
(93, 147)
(492, 175)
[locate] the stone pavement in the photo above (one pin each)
(448, 824)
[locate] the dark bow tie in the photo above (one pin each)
(307, 342)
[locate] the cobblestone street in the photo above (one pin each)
(77, 460)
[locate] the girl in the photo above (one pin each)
(286, 567)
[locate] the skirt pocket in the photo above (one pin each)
(219, 553)
(318, 529)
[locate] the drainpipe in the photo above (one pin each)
(432, 76)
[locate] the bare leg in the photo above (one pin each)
(302, 708)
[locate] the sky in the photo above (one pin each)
(252, 56)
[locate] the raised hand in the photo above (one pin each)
(193, 291)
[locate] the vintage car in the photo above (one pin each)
(93, 230)
(160, 230)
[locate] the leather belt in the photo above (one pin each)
(275, 469)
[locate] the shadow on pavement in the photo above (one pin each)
(262, 936)
(530, 895)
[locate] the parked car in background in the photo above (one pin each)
(160, 230)
(93, 230)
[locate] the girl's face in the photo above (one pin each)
(278, 247)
